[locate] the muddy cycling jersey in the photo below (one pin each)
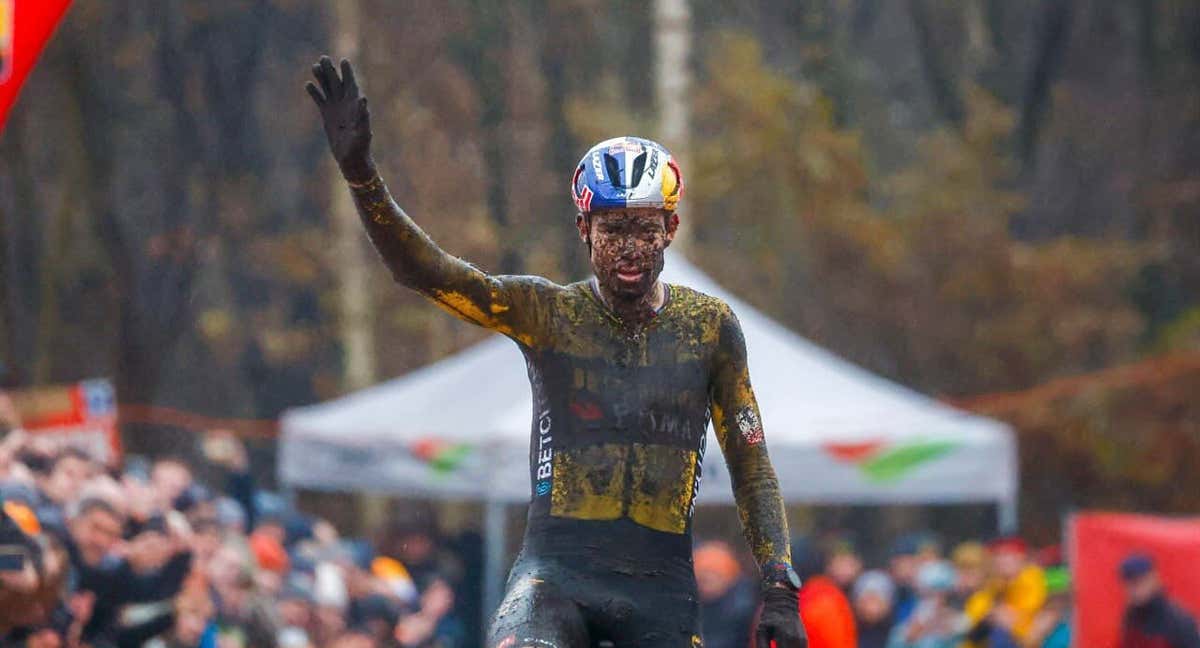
(620, 413)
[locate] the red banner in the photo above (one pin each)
(25, 26)
(83, 415)
(1100, 541)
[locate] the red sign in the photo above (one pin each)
(1098, 542)
(6, 39)
(83, 415)
(25, 26)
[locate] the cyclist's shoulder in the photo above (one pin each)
(532, 285)
(698, 304)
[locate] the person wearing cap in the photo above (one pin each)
(873, 592)
(1052, 625)
(1152, 620)
(934, 623)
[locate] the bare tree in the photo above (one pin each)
(673, 43)
(351, 261)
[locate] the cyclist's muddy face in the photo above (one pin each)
(627, 248)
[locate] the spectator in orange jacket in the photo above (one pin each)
(827, 615)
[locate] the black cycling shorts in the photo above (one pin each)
(550, 605)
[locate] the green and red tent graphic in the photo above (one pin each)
(886, 461)
(441, 456)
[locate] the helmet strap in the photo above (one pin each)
(587, 223)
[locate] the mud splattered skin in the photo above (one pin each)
(617, 439)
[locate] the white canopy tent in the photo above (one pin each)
(460, 429)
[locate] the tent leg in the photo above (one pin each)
(1006, 515)
(495, 536)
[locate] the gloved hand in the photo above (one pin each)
(346, 118)
(779, 625)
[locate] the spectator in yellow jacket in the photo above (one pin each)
(1015, 593)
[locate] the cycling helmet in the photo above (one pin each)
(626, 172)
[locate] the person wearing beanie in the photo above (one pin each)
(873, 593)
(1152, 620)
(903, 563)
(934, 623)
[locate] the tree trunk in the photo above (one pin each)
(673, 76)
(351, 262)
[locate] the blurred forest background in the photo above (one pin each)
(965, 196)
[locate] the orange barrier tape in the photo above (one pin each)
(157, 415)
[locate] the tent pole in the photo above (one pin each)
(495, 535)
(1006, 514)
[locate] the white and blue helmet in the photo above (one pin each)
(626, 172)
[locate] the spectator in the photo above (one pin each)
(727, 598)
(169, 478)
(902, 566)
(827, 615)
(295, 608)
(1151, 619)
(155, 564)
(934, 622)
(1016, 592)
(353, 639)
(845, 565)
(158, 557)
(193, 627)
(60, 485)
(27, 595)
(1052, 626)
(873, 595)
(973, 568)
(432, 626)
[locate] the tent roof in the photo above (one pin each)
(836, 431)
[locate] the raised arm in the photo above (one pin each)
(506, 304)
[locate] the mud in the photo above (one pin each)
(622, 397)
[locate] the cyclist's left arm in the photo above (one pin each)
(739, 430)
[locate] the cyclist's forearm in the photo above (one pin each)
(760, 507)
(738, 424)
(756, 493)
(416, 261)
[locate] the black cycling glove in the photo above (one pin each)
(346, 118)
(780, 623)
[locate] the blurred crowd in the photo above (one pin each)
(145, 554)
(998, 595)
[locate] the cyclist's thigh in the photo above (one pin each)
(534, 614)
(659, 618)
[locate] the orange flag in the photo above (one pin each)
(25, 26)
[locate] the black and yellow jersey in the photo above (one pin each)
(619, 412)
